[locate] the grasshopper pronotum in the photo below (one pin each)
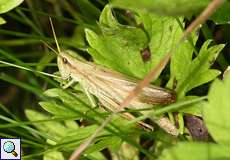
(111, 87)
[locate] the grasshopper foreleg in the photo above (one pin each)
(69, 84)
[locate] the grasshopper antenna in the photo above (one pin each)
(54, 34)
(29, 69)
(51, 48)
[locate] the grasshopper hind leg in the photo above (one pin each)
(90, 97)
(111, 106)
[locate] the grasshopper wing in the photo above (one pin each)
(121, 85)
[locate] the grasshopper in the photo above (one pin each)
(111, 87)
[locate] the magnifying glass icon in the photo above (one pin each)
(9, 147)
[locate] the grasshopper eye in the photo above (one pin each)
(64, 60)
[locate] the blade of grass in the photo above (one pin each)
(165, 109)
(19, 42)
(21, 84)
(34, 15)
(29, 129)
(6, 110)
(29, 22)
(39, 38)
(60, 18)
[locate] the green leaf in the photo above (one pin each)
(163, 7)
(204, 77)
(78, 136)
(52, 128)
(119, 47)
(126, 151)
(204, 151)
(89, 11)
(71, 124)
(2, 21)
(69, 100)
(222, 16)
(116, 41)
(175, 8)
(197, 71)
(54, 155)
(163, 32)
(181, 60)
(6, 5)
(104, 143)
(96, 156)
(59, 110)
(216, 111)
(120, 41)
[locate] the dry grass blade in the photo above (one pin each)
(199, 20)
(209, 10)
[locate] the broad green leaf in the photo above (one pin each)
(127, 152)
(74, 105)
(71, 124)
(163, 32)
(2, 21)
(96, 156)
(104, 143)
(6, 5)
(217, 110)
(70, 100)
(207, 55)
(59, 110)
(52, 128)
(60, 131)
(119, 47)
(54, 155)
(181, 60)
(163, 7)
(54, 92)
(197, 71)
(73, 139)
(222, 16)
(79, 134)
(175, 8)
(190, 73)
(196, 151)
(204, 77)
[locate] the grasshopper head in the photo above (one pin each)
(64, 60)
(64, 64)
